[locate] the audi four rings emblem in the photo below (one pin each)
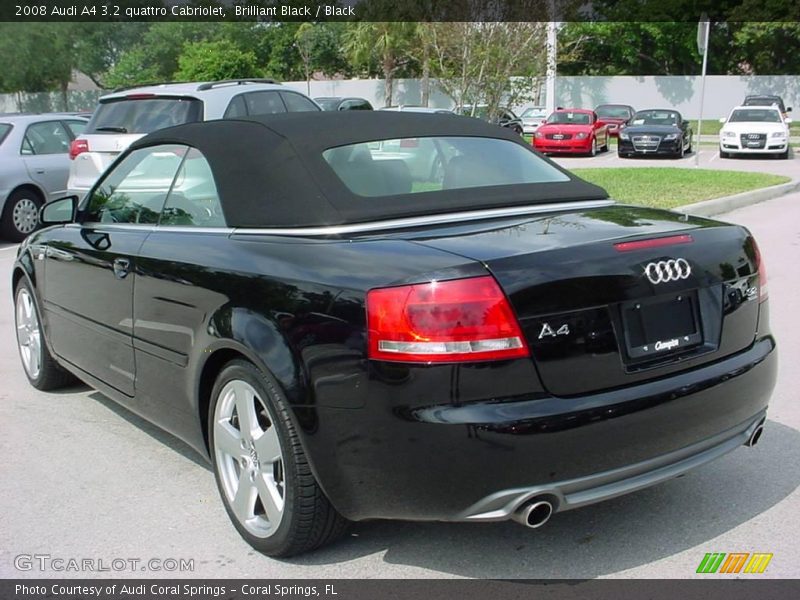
(664, 271)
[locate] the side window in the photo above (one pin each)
(76, 127)
(236, 108)
(298, 103)
(264, 103)
(49, 137)
(193, 200)
(135, 189)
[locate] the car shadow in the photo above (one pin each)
(598, 540)
(158, 434)
(609, 537)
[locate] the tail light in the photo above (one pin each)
(462, 320)
(78, 147)
(763, 294)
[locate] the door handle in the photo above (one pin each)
(40, 171)
(122, 266)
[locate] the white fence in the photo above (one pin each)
(683, 93)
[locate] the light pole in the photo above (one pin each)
(702, 46)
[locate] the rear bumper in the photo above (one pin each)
(575, 493)
(478, 460)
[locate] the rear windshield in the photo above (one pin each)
(327, 103)
(144, 115)
(570, 118)
(761, 115)
(534, 112)
(4, 129)
(613, 112)
(413, 165)
(765, 101)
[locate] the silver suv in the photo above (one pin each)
(125, 115)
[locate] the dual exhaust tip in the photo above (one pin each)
(534, 513)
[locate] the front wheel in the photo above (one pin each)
(262, 472)
(593, 151)
(21, 215)
(723, 154)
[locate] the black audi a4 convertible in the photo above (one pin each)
(389, 315)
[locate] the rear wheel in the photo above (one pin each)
(43, 372)
(21, 215)
(262, 472)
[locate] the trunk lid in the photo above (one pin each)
(593, 318)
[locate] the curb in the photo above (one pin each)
(709, 208)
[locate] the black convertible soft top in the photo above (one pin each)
(270, 171)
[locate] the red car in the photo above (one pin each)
(615, 116)
(572, 131)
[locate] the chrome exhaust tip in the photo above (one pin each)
(755, 436)
(533, 513)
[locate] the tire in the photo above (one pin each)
(41, 369)
(605, 146)
(723, 154)
(783, 155)
(282, 511)
(21, 215)
(593, 151)
(623, 155)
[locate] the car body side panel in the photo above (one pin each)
(252, 294)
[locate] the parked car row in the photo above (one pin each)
(46, 156)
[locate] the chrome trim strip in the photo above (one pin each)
(423, 221)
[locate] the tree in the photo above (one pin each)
(304, 41)
(216, 60)
(155, 58)
(387, 44)
(492, 63)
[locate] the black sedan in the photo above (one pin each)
(345, 340)
(338, 103)
(655, 132)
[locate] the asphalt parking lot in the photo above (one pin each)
(83, 478)
(707, 158)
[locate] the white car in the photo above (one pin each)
(126, 115)
(754, 130)
(532, 117)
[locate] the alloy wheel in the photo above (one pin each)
(249, 458)
(25, 215)
(29, 334)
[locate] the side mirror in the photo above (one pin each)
(722, 120)
(60, 211)
(788, 109)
